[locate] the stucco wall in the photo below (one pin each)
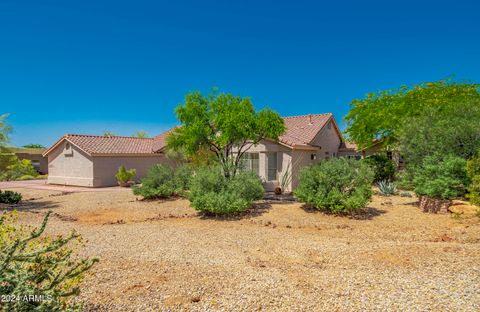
(329, 141)
(284, 158)
(105, 167)
(76, 168)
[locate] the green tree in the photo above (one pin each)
(384, 115)
(140, 134)
(33, 145)
(453, 128)
(108, 133)
(225, 124)
(6, 156)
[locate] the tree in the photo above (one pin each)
(33, 145)
(453, 128)
(384, 114)
(6, 156)
(140, 134)
(225, 124)
(108, 133)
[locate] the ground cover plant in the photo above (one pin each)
(337, 185)
(34, 265)
(213, 193)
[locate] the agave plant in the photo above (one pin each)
(387, 188)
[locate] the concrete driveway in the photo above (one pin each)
(42, 185)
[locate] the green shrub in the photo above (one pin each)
(26, 177)
(405, 194)
(441, 177)
(162, 181)
(337, 185)
(123, 175)
(387, 188)
(10, 197)
(383, 167)
(212, 193)
(18, 169)
(46, 267)
(473, 173)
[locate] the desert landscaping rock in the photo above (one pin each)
(163, 256)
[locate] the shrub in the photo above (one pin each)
(387, 188)
(18, 169)
(212, 193)
(9, 197)
(405, 194)
(382, 166)
(162, 181)
(46, 267)
(123, 175)
(473, 173)
(26, 177)
(441, 177)
(337, 185)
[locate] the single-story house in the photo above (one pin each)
(88, 160)
(92, 161)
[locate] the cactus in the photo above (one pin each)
(387, 188)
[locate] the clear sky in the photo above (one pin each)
(90, 66)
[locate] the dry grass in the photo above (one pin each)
(162, 255)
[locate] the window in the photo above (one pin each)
(313, 156)
(249, 162)
(271, 166)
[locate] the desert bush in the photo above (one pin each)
(383, 167)
(123, 175)
(44, 267)
(473, 173)
(163, 181)
(441, 177)
(18, 169)
(337, 185)
(387, 188)
(212, 193)
(10, 197)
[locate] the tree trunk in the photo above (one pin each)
(434, 205)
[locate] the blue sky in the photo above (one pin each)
(90, 66)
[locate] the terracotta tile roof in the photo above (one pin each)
(301, 130)
(347, 146)
(159, 142)
(93, 144)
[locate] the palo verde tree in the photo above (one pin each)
(383, 115)
(225, 124)
(6, 158)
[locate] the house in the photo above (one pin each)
(92, 161)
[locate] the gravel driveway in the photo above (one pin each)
(158, 255)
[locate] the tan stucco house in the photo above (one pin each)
(92, 161)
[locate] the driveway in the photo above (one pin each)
(42, 185)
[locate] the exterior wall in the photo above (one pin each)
(301, 159)
(284, 161)
(43, 161)
(76, 168)
(329, 142)
(105, 167)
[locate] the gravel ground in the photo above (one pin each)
(162, 256)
